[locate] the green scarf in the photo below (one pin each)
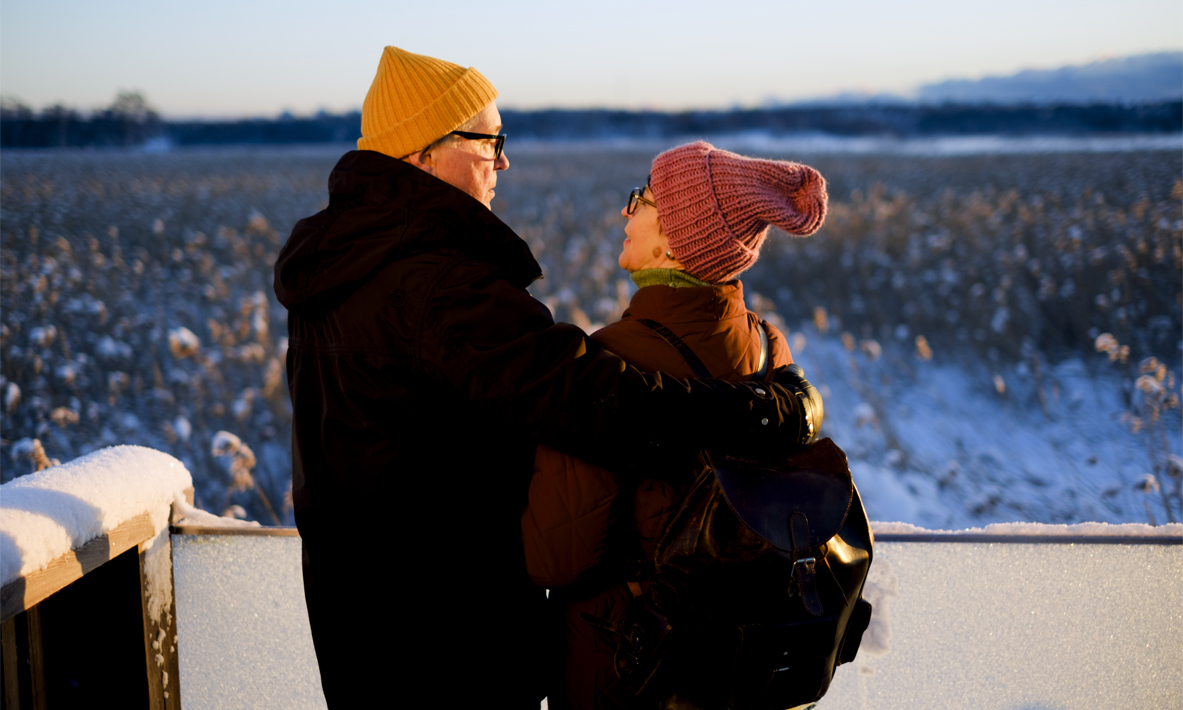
(666, 277)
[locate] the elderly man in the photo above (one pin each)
(422, 376)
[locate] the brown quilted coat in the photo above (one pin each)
(576, 517)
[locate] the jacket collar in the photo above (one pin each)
(668, 305)
(380, 210)
(441, 215)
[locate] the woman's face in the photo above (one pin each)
(645, 246)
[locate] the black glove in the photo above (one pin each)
(793, 379)
(775, 419)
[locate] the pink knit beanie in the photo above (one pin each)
(716, 206)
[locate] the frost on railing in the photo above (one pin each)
(1020, 615)
(85, 563)
(1016, 615)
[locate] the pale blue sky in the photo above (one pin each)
(234, 58)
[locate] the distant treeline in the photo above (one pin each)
(321, 128)
(130, 123)
(900, 120)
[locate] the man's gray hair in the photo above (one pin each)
(449, 138)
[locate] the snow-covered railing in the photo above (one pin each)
(87, 598)
(1038, 534)
(1016, 615)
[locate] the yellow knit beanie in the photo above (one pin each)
(416, 100)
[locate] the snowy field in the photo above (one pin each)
(937, 445)
(950, 311)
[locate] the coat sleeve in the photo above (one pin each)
(501, 350)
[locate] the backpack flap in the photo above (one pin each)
(796, 507)
(815, 484)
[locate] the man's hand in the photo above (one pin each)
(793, 379)
(788, 411)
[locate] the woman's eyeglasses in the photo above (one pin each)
(636, 197)
(497, 147)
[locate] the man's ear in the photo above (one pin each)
(423, 160)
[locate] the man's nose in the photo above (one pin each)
(501, 163)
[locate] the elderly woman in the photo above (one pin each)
(697, 225)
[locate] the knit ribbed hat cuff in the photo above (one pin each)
(463, 100)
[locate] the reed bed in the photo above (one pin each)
(137, 302)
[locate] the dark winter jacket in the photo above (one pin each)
(570, 528)
(422, 375)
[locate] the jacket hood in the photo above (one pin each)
(381, 209)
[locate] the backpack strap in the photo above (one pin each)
(762, 370)
(700, 370)
(695, 364)
(804, 574)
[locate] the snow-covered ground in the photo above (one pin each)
(937, 445)
(811, 143)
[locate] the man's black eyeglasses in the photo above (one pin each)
(497, 147)
(635, 198)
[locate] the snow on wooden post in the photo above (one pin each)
(87, 597)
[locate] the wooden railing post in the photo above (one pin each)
(51, 618)
(88, 618)
(12, 684)
(37, 660)
(160, 623)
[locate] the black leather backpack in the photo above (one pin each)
(755, 594)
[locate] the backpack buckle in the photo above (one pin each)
(793, 575)
(806, 583)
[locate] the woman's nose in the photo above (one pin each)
(624, 212)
